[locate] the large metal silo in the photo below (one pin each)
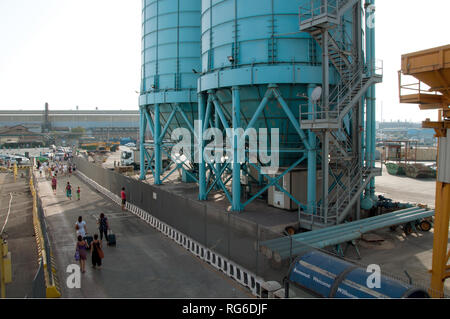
(170, 62)
(262, 64)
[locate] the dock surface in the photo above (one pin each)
(144, 264)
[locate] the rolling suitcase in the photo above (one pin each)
(89, 240)
(111, 238)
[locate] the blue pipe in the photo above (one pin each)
(362, 226)
(312, 159)
(337, 235)
(369, 99)
(373, 95)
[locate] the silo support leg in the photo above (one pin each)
(142, 129)
(312, 160)
(236, 183)
(157, 144)
(201, 165)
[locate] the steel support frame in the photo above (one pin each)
(158, 145)
(222, 123)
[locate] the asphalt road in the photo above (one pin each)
(144, 264)
(19, 233)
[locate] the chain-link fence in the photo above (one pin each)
(233, 237)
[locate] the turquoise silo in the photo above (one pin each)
(170, 62)
(298, 66)
(258, 69)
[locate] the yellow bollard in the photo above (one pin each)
(5, 267)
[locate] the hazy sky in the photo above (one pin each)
(87, 52)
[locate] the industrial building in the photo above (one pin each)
(95, 122)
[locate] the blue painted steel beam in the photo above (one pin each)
(142, 129)
(169, 121)
(201, 165)
(149, 162)
(260, 108)
(188, 123)
(291, 117)
(236, 182)
(157, 146)
(219, 111)
(274, 182)
(312, 160)
(149, 123)
(207, 116)
(217, 179)
(179, 165)
(222, 185)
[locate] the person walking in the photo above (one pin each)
(96, 253)
(78, 193)
(81, 252)
(80, 227)
(54, 182)
(124, 198)
(103, 226)
(70, 170)
(69, 190)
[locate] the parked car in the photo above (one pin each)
(130, 145)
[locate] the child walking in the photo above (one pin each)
(78, 193)
(69, 190)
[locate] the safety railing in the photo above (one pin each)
(52, 287)
(343, 94)
(316, 9)
(412, 88)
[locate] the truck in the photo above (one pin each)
(132, 157)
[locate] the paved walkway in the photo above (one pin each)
(405, 189)
(144, 264)
(19, 233)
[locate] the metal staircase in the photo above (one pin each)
(342, 197)
(323, 13)
(322, 20)
(345, 96)
(339, 56)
